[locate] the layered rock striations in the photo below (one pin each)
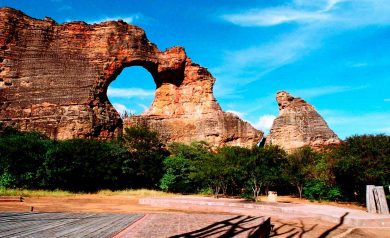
(185, 109)
(299, 124)
(189, 112)
(54, 79)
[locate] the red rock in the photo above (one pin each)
(54, 79)
(299, 124)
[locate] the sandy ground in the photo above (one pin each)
(303, 227)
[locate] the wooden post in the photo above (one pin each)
(382, 203)
(370, 200)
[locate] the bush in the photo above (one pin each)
(319, 190)
(147, 154)
(362, 160)
(21, 157)
(86, 165)
(176, 177)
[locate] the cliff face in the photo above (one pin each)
(299, 124)
(54, 79)
(185, 109)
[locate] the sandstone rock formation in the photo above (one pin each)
(54, 79)
(299, 124)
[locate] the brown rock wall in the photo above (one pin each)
(299, 124)
(54, 79)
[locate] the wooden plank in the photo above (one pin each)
(63, 224)
(13, 223)
(79, 226)
(74, 223)
(114, 227)
(382, 203)
(370, 200)
(37, 224)
(96, 225)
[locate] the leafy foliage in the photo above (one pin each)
(300, 167)
(176, 177)
(30, 160)
(21, 155)
(85, 165)
(147, 154)
(263, 168)
(138, 159)
(362, 160)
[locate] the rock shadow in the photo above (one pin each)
(232, 227)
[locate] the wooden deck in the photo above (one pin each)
(64, 224)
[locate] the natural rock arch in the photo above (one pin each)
(54, 79)
(141, 85)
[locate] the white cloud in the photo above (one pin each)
(239, 114)
(321, 91)
(122, 109)
(274, 16)
(129, 19)
(315, 22)
(248, 65)
(351, 14)
(325, 5)
(264, 123)
(129, 92)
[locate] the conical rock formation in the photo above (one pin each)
(299, 124)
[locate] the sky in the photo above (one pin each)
(335, 54)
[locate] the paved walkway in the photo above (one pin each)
(326, 213)
(196, 225)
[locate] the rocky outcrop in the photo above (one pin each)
(54, 79)
(299, 124)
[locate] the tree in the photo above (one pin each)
(21, 156)
(176, 176)
(85, 165)
(147, 155)
(362, 160)
(233, 158)
(180, 167)
(194, 151)
(300, 167)
(212, 171)
(264, 168)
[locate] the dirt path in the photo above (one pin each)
(303, 227)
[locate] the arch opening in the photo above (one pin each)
(132, 91)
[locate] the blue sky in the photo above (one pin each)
(335, 54)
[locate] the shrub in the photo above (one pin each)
(362, 160)
(176, 177)
(319, 190)
(21, 157)
(86, 165)
(146, 156)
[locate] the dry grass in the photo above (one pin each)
(61, 193)
(34, 193)
(135, 192)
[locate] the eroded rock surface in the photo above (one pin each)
(299, 124)
(54, 79)
(185, 110)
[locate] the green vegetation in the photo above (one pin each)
(138, 160)
(29, 160)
